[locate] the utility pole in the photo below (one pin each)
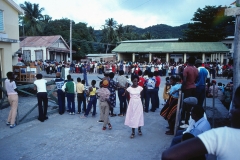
(236, 59)
(70, 41)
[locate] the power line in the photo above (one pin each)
(141, 4)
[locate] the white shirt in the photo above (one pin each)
(10, 86)
(41, 85)
(222, 142)
(66, 72)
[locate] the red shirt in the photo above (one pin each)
(158, 81)
(141, 81)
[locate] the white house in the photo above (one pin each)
(44, 48)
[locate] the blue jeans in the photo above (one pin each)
(150, 94)
(61, 101)
(92, 102)
(200, 94)
(85, 78)
(71, 102)
(178, 138)
(123, 101)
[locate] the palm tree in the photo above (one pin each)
(91, 32)
(120, 32)
(32, 18)
(109, 33)
(46, 19)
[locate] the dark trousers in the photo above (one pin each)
(189, 92)
(156, 97)
(61, 101)
(200, 94)
(42, 110)
(123, 101)
(81, 99)
(178, 137)
(185, 113)
(92, 102)
(150, 95)
(71, 102)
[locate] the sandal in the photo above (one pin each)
(139, 132)
(132, 135)
(109, 126)
(104, 128)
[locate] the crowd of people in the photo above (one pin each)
(192, 78)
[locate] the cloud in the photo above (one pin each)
(141, 13)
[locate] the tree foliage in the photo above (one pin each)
(210, 25)
(82, 36)
(32, 20)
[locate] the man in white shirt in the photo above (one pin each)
(40, 86)
(222, 142)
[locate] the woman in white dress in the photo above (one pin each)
(134, 116)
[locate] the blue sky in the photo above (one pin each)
(141, 13)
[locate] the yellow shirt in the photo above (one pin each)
(80, 88)
(93, 92)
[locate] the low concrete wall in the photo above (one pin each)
(217, 115)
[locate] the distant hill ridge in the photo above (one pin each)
(159, 31)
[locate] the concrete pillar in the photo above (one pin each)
(222, 56)
(203, 57)
(184, 57)
(219, 58)
(55, 55)
(150, 57)
(119, 57)
(167, 57)
(133, 57)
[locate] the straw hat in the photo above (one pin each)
(105, 83)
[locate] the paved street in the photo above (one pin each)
(70, 137)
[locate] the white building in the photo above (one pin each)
(44, 48)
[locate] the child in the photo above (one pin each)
(11, 89)
(80, 94)
(103, 93)
(134, 116)
(92, 101)
(61, 95)
(213, 90)
(70, 87)
(166, 90)
(169, 110)
(84, 97)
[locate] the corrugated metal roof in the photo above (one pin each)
(170, 47)
(37, 41)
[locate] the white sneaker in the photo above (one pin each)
(183, 121)
(73, 113)
(70, 113)
(184, 126)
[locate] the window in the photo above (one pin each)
(38, 54)
(27, 55)
(1, 21)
